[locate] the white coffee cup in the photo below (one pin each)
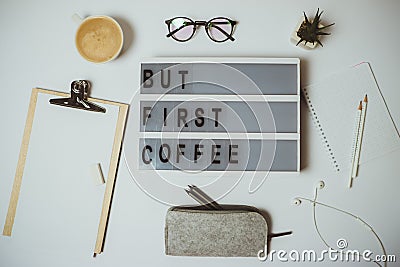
(98, 39)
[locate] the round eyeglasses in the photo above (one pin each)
(219, 29)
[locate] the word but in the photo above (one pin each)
(165, 78)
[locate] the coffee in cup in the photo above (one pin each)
(99, 39)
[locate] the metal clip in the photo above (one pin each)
(78, 99)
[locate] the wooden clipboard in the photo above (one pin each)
(113, 165)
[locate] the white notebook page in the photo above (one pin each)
(333, 105)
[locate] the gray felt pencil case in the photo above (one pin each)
(235, 231)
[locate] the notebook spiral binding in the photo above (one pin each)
(318, 126)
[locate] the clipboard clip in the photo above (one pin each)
(78, 98)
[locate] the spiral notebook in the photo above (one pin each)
(333, 104)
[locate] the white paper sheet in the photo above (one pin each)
(333, 105)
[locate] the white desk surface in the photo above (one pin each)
(37, 49)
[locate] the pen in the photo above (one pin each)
(355, 142)
(201, 197)
(359, 137)
(208, 199)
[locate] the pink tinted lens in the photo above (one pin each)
(217, 27)
(185, 27)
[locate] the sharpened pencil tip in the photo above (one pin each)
(365, 98)
(360, 106)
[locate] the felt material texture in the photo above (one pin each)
(235, 231)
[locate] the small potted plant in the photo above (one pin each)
(308, 32)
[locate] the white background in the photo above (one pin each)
(37, 49)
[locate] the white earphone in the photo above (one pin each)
(297, 200)
(320, 185)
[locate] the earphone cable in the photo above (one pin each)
(314, 202)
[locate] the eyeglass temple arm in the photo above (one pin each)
(224, 32)
(178, 29)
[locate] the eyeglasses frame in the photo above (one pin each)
(206, 24)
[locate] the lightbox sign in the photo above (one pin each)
(219, 115)
(211, 122)
(215, 115)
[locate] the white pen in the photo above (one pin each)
(355, 143)
(360, 134)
